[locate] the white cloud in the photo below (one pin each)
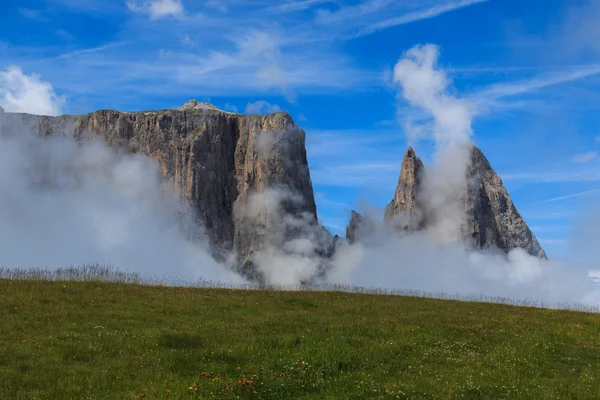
(424, 85)
(66, 202)
(385, 260)
(262, 107)
(157, 8)
(584, 157)
(264, 48)
(28, 93)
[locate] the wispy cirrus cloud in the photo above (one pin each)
(508, 89)
(573, 195)
(419, 15)
(354, 12)
(355, 174)
(375, 158)
(222, 47)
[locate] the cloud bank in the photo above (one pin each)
(66, 202)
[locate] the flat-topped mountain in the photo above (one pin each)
(216, 159)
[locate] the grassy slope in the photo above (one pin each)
(115, 341)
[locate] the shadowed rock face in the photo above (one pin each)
(353, 230)
(216, 159)
(491, 218)
(360, 227)
(403, 211)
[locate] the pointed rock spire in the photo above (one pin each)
(404, 208)
(353, 230)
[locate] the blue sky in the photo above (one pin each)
(531, 67)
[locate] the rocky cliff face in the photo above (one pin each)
(404, 211)
(491, 218)
(360, 227)
(218, 160)
(354, 228)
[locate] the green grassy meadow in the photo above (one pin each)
(94, 340)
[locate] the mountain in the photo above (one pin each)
(491, 218)
(218, 161)
(404, 206)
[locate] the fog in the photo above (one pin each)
(66, 202)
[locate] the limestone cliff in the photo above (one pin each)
(217, 160)
(404, 211)
(491, 218)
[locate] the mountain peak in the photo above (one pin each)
(404, 202)
(410, 153)
(491, 216)
(197, 105)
